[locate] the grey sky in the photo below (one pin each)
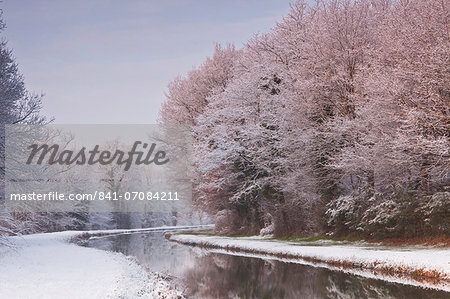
(106, 61)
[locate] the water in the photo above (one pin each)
(215, 275)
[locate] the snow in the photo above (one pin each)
(149, 229)
(48, 266)
(367, 259)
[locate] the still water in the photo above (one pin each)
(215, 275)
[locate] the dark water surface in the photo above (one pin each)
(215, 275)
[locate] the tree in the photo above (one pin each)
(17, 106)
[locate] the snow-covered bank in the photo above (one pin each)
(416, 266)
(149, 229)
(48, 266)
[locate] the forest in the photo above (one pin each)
(335, 122)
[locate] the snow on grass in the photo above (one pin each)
(47, 266)
(425, 267)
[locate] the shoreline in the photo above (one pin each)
(428, 268)
(31, 263)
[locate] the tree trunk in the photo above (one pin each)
(424, 174)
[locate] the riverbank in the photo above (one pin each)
(49, 266)
(426, 267)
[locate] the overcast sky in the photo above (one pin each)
(105, 61)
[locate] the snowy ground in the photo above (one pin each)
(361, 259)
(48, 266)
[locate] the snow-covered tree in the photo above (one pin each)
(342, 104)
(17, 106)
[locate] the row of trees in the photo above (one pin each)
(18, 107)
(338, 120)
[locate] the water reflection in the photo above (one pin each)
(214, 275)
